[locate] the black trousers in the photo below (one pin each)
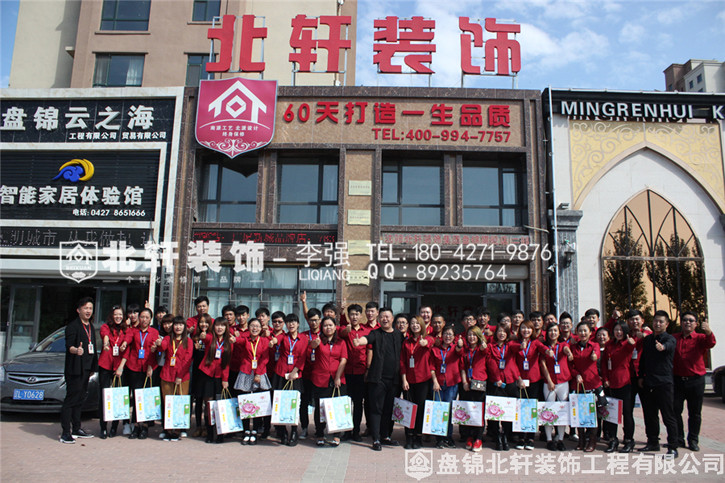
(417, 394)
(692, 390)
(656, 400)
(380, 401)
(623, 393)
(76, 388)
(628, 409)
(305, 401)
(356, 390)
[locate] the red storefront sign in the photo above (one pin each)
(235, 115)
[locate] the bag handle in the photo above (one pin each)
(437, 393)
(339, 394)
(177, 386)
(287, 385)
(147, 380)
(582, 386)
(226, 394)
(524, 391)
(116, 379)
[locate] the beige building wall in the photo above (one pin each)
(44, 39)
(172, 36)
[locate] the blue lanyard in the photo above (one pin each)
(443, 356)
(291, 345)
(471, 355)
(503, 353)
(556, 358)
(526, 351)
(143, 336)
(219, 346)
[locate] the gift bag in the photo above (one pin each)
(526, 420)
(583, 410)
(612, 412)
(285, 406)
(500, 408)
(177, 410)
(147, 402)
(436, 416)
(255, 405)
(404, 412)
(338, 412)
(211, 411)
(553, 413)
(116, 401)
(468, 413)
(226, 414)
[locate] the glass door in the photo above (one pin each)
(24, 319)
(105, 299)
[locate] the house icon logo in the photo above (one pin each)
(419, 463)
(78, 260)
(236, 115)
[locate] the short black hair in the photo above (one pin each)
(313, 312)
(535, 315)
(83, 301)
(372, 305)
(354, 308)
(662, 313)
(690, 313)
(241, 310)
(276, 315)
(228, 308)
(330, 306)
(200, 299)
(386, 309)
(162, 308)
(591, 312)
(262, 311)
(632, 313)
(292, 317)
(131, 308)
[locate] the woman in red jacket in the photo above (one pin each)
(328, 373)
(615, 376)
(214, 369)
(585, 375)
(178, 351)
(416, 374)
(446, 374)
(113, 335)
(473, 374)
(253, 348)
(141, 342)
(503, 378)
(557, 376)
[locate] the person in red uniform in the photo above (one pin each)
(556, 378)
(565, 327)
(141, 342)
(437, 323)
(113, 336)
(415, 373)
(585, 376)
(503, 378)
(328, 373)
(252, 348)
(179, 354)
(215, 369)
(446, 373)
(289, 367)
(615, 375)
(638, 331)
(689, 374)
(197, 389)
(473, 372)
(356, 367)
(271, 327)
(313, 335)
(201, 304)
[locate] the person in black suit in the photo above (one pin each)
(81, 361)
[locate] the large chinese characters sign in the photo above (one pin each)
(235, 115)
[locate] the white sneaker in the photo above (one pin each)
(183, 434)
(127, 429)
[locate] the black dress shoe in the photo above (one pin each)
(389, 442)
(417, 442)
(135, 433)
(293, 438)
(612, 446)
(356, 437)
(284, 439)
(651, 447)
(693, 446)
(672, 452)
(81, 433)
(104, 434)
(441, 444)
(144, 433)
(112, 433)
(560, 446)
(628, 446)
(551, 446)
(377, 446)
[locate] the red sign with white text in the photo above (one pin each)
(235, 115)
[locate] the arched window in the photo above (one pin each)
(651, 260)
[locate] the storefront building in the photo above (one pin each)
(639, 196)
(86, 177)
(402, 196)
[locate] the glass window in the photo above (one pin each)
(699, 78)
(307, 192)
(125, 15)
(118, 70)
(196, 69)
(412, 192)
(229, 191)
(205, 10)
(493, 193)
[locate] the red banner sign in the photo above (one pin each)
(235, 115)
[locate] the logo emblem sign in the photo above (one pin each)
(419, 463)
(235, 115)
(78, 260)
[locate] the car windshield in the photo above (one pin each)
(55, 342)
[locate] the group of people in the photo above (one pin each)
(374, 356)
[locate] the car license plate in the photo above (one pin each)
(29, 394)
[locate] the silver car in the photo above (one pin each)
(34, 381)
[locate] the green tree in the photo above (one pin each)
(624, 285)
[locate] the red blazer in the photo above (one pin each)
(245, 348)
(357, 357)
(584, 366)
(510, 373)
(453, 369)
(307, 373)
(236, 361)
(327, 361)
(474, 363)
(184, 358)
(617, 355)
(191, 323)
(107, 360)
(299, 351)
(559, 356)
(214, 369)
(535, 348)
(689, 354)
(420, 372)
(134, 338)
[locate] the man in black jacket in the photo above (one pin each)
(655, 379)
(81, 361)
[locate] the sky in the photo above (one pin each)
(592, 44)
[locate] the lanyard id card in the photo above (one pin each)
(557, 369)
(609, 364)
(141, 353)
(526, 365)
(411, 362)
(115, 350)
(312, 355)
(443, 368)
(634, 354)
(172, 361)
(290, 360)
(90, 348)
(502, 364)
(254, 363)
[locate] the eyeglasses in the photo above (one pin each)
(689, 320)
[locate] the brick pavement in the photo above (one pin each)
(30, 451)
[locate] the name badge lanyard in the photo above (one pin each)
(291, 357)
(172, 361)
(312, 354)
(443, 358)
(90, 341)
(557, 367)
(502, 360)
(526, 356)
(471, 355)
(115, 346)
(219, 347)
(254, 352)
(142, 352)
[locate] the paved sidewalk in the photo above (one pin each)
(30, 451)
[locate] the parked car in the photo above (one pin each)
(718, 382)
(34, 381)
